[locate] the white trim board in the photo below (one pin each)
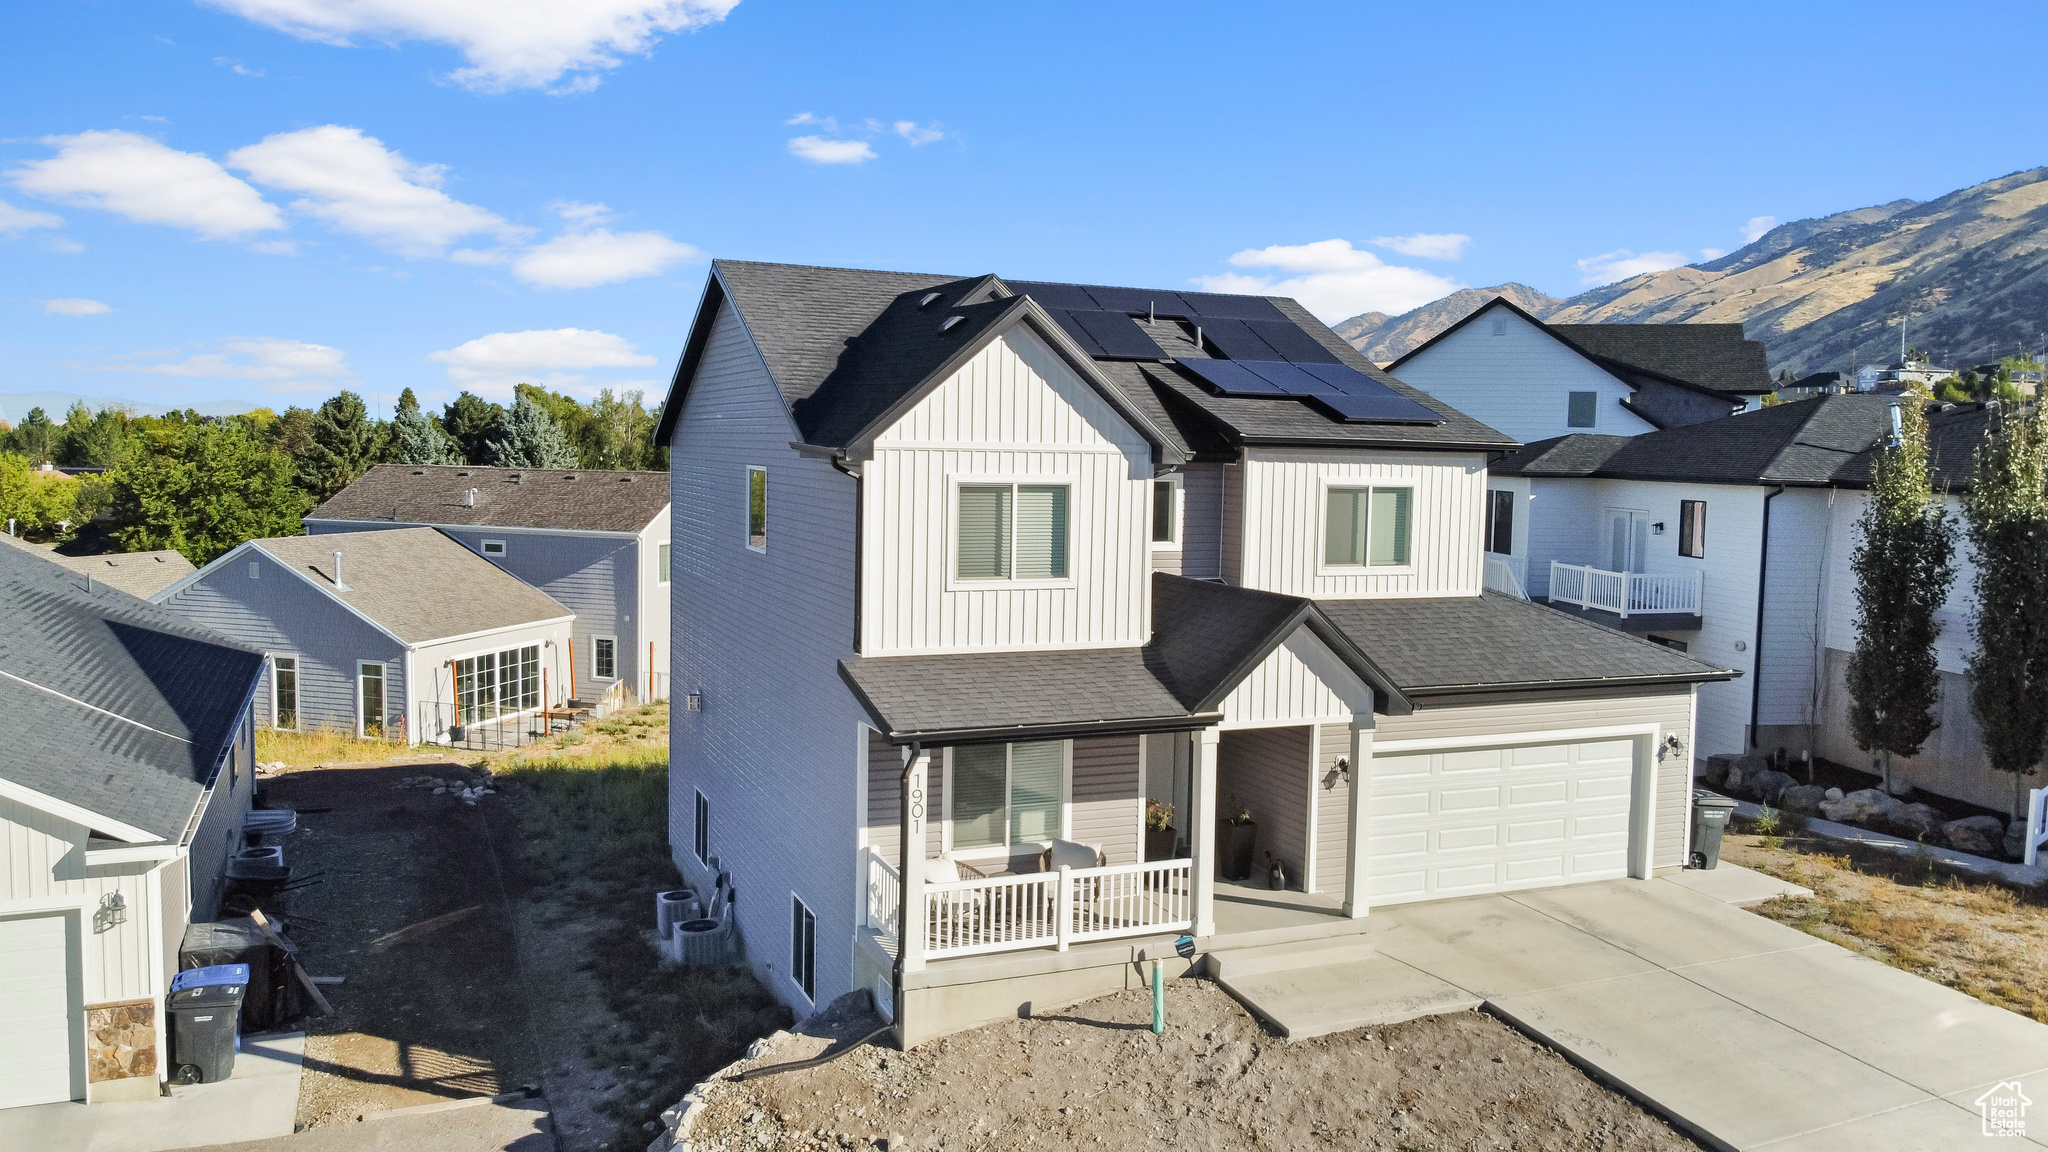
(1555, 736)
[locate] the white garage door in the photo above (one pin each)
(37, 1039)
(1458, 822)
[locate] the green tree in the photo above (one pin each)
(2007, 513)
(292, 433)
(571, 416)
(203, 488)
(1903, 567)
(530, 438)
(94, 439)
(344, 442)
(471, 422)
(1952, 390)
(42, 505)
(416, 439)
(37, 438)
(619, 432)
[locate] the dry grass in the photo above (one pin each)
(1987, 939)
(326, 746)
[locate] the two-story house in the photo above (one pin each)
(597, 541)
(976, 568)
(1535, 381)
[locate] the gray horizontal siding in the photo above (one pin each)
(1267, 771)
(1201, 554)
(593, 576)
(1333, 809)
(884, 802)
(1108, 803)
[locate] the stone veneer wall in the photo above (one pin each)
(121, 1040)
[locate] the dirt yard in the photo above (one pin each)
(1094, 1076)
(1989, 940)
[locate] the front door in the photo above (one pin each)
(1628, 540)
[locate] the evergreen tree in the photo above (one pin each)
(530, 438)
(37, 438)
(94, 439)
(1903, 567)
(344, 445)
(203, 489)
(471, 422)
(416, 439)
(407, 402)
(2007, 512)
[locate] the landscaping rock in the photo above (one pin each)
(1717, 769)
(1804, 799)
(2016, 840)
(1768, 785)
(1899, 788)
(1863, 806)
(1981, 835)
(1833, 794)
(1916, 821)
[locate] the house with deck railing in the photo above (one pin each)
(978, 582)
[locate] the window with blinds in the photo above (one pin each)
(1012, 532)
(1368, 527)
(1692, 528)
(1006, 794)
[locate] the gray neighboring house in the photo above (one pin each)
(139, 574)
(410, 633)
(597, 541)
(129, 767)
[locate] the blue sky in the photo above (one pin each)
(268, 200)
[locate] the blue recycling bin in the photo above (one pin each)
(205, 1009)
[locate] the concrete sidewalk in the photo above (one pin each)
(1744, 1032)
(260, 1099)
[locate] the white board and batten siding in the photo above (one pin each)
(1519, 381)
(1300, 682)
(1284, 520)
(1015, 412)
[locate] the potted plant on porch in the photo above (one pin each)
(1235, 835)
(1159, 833)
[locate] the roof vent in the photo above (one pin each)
(950, 321)
(468, 496)
(625, 479)
(464, 472)
(517, 477)
(338, 585)
(570, 476)
(419, 471)
(928, 298)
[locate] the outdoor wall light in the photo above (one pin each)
(113, 911)
(1657, 529)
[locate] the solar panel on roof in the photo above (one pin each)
(1390, 407)
(1291, 342)
(1144, 300)
(1235, 339)
(1233, 379)
(1343, 392)
(1231, 307)
(1056, 295)
(1115, 335)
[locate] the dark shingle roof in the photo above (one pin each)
(1714, 356)
(574, 499)
(1801, 442)
(415, 582)
(139, 574)
(1953, 438)
(1491, 642)
(111, 704)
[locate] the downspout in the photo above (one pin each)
(1756, 649)
(859, 512)
(904, 898)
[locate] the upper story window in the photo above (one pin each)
(1500, 521)
(757, 509)
(1500, 323)
(1012, 532)
(1166, 513)
(1582, 408)
(1367, 527)
(661, 555)
(494, 547)
(1692, 528)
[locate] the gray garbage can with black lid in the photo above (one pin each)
(1710, 815)
(205, 1007)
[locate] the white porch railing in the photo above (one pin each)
(1626, 593)
(1042, 909)
(884, 893)
(1507, 575)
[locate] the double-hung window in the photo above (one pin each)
(370, 699)
(1011, 532)
(1692, 528)
(284, 692)
(1005, 794)
(1165, 514)
(661, 562)
(1500, 522)
(1367, 527)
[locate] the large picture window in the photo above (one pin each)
(1368, 527)
(498, 683)
(1012, 532)
(1004, 794)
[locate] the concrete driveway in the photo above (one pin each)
(1746, 1033)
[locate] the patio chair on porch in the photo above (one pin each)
(959, 915)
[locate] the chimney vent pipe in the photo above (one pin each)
(339, 586)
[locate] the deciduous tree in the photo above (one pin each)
(2007, 513)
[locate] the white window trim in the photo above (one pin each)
(747, 510)
(1180, 513)
(795, 977)
(658, 577)
(594, 674)
(487, 545)
(255, 570)
(1322, 530)
(383, 681)
(701, 812)
(1004, 852)
(298, 711)
(1070, 482)
(497, 681)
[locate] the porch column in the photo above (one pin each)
(1202, 830)
(1357, 870)
(910, 942)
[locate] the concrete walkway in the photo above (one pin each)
(260, 1099)
(1744, 1032)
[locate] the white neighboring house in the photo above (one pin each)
(401, 633)
(1535, 381)
(975, 569)
(598, 541)
(129, 766)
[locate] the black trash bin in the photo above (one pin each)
(1710, 815)
(205, 1006)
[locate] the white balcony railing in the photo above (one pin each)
(884, 892)
(1626, 593)
(1049, 909)
(1507, 575)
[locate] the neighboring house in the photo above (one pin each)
(139, 574)
(597, 541)
(399, 633)
(1534, 381)
(1818, 384)
(129, 766)
(975, 568)
(1671, 534)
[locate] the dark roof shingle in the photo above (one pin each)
(1714, 356)
(1800, 442)
(589, 500)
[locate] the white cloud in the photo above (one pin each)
(918, 134)
(541, 356)
(1621, 264)
(1712, 253)
(14, 221)
(1426, 245)
(262, 359)
(828, 123)
(64, 244)
(1331, 279)
(149, 183)
(819, 150)
(590, 257)
(529, 44)
(1757, 226)
(75, 307)
(235, 66)
(354, 183)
